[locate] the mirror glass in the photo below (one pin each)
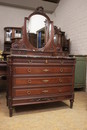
(56, 39)
(38, 30)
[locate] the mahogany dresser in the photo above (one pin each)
(40, 74)
(44, 79)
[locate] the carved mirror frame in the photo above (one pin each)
(49, 44)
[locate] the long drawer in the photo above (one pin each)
(42, 61)
(17, 81)
(42, 70)
(41, 91)
(40, 99)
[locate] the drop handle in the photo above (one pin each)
(28, 92)
(60, 80)
(45, 91)
(29, 81)
(29, 70)
(61, 69)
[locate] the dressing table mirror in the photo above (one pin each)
(39, 71)
(38, 30)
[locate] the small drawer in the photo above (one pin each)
(40, 91)
(42, 70)
(41, 81)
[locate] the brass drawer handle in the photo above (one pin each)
(45, 80)
(29, 70)
(45, 91)
(45, 70)
(61, 69)
(28, 92)
(29, 81)
(60, 80)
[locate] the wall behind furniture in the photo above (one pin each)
(71, 17)
(12, 17)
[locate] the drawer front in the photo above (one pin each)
(41, 91)
(34, 100)
(39, 81)
(42, 70)
(43, 61)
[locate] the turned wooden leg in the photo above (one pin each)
(71, 103)
(6, 100)
(10, 112)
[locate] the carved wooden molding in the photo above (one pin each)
(18, 45)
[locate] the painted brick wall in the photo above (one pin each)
(71, 16)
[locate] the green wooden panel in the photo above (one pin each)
(80, 72)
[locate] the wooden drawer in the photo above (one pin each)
(42, 61)
(42, 70)
(41, 91)
(38, 81)
(40, 99)
(36, 60)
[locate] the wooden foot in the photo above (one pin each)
(71, 104)
(10, 112)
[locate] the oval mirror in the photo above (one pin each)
(38, 30)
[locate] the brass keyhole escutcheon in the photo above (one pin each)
(45, 91)
(45, 80)
(45, 70)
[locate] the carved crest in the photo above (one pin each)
(39, 10)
